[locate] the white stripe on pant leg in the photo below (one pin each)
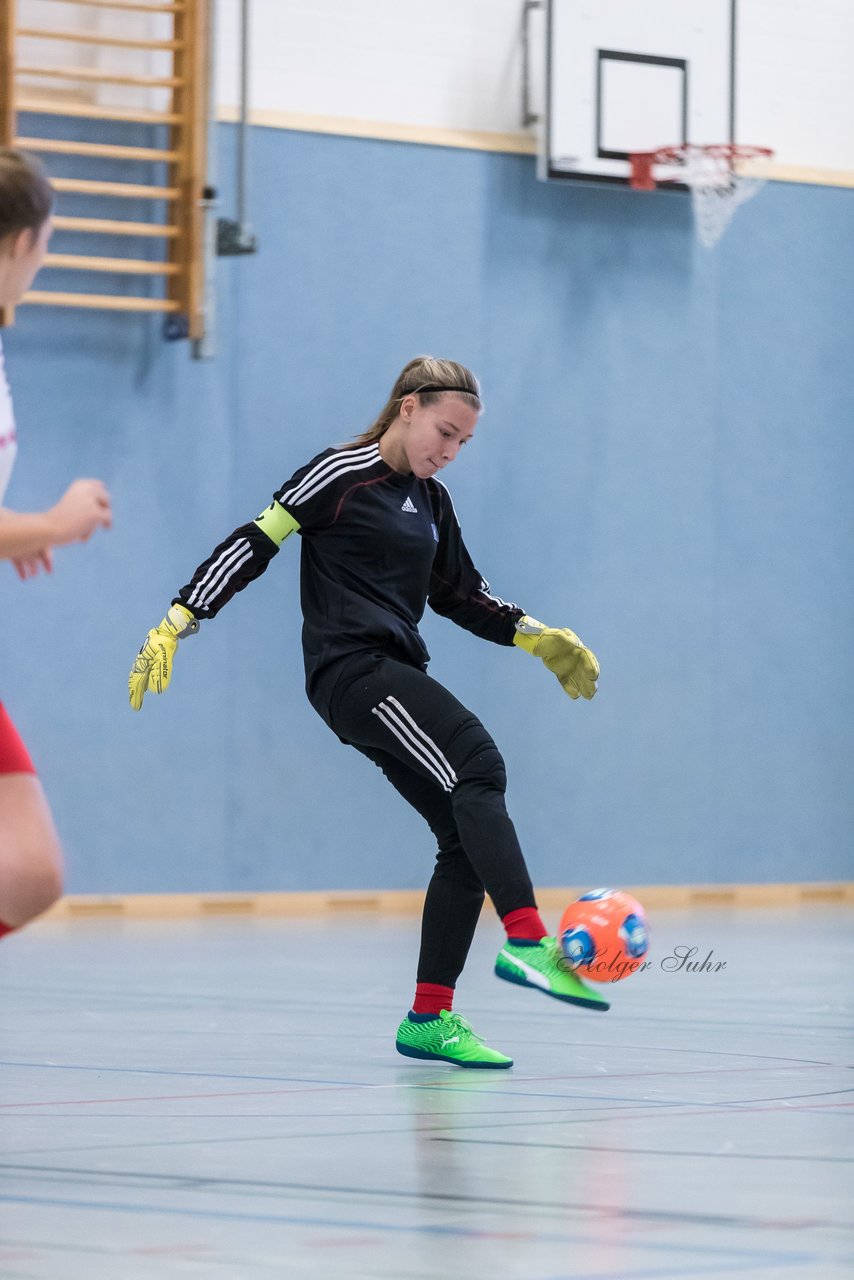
(416, 729)
(412, 747)
(404, 720)
(409, 732)
(223, 558)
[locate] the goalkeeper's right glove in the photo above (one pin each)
(152, 669)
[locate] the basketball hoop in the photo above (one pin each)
(721, 177)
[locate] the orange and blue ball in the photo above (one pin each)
(604, 935)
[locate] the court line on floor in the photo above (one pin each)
(592, 1115)
(317, 1086)
(166, 1071)
(674, 1112)
(774, 1156)
(658, 1273)
(397, 1228)
(570, 1076)
(241, 1002)
(260, 1187)
(194, 1253)
(322, 1087)
(584, 1099)
(575, 1045)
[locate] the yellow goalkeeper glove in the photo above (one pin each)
(152, 670)
(563, 653)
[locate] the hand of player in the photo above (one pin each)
(563, 653)
(29, 566)
(152, 670)
(83, 508)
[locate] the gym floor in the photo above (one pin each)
(222, 1099)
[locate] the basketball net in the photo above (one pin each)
(720, 177)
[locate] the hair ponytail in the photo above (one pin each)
(428, 378)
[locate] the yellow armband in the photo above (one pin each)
(276, 522)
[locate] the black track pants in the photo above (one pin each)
(440, 758)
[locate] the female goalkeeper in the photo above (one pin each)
(380, 539)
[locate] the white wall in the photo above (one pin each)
(457, 65)
(449, 63)
(795, 82)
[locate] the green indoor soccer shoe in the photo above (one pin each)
(448, 1038)
(543, 967)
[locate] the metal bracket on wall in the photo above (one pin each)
(529, 117)
(234, 237)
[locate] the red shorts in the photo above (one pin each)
(14, 757)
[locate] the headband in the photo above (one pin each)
(436, 386)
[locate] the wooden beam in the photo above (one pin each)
(385, 130)
(333, 902)
(115, 266)
(86, 37)
(7, 99)
(89, 111)
(180, 251)
(108, 150)
(126, 5)
(96, 76)
(98, 301)
(125, 190)
(190, 64)
(195, 137)
(7, 66)
(115, 227)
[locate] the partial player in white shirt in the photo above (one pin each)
(30, 855)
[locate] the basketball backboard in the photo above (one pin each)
(623, 76)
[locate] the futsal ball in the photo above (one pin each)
(604, 935)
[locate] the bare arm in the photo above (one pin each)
(83, 508)
(25, 534)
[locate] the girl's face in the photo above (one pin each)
(20, 258)
(432, 435)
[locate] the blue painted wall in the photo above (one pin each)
(665, 466)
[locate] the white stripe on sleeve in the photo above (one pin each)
(328, 470)
(240, 552)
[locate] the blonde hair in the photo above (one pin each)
(429, 379)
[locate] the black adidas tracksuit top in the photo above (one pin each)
(376, 547)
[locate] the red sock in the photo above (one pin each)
(6, 928)
(524, 924)
(432, 998)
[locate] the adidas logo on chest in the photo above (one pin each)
(409, 507)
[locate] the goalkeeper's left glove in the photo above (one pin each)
(152, 669)
(563, 653)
